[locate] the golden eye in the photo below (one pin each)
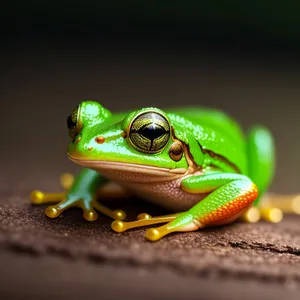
(176, 151)
(73, 123)
(149, 132)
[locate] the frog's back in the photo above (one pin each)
(212, 118)
(216, 131)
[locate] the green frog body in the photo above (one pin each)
(195, 162)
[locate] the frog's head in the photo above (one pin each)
(135, 147)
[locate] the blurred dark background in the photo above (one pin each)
(242, 57)
(238, 56)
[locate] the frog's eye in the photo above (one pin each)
(149, 132)
(73, 123)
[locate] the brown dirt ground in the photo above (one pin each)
(69, 258)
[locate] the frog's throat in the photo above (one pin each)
(127, 170)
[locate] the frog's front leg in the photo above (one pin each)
(82, 194)
(229, 195)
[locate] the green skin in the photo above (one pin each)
(213, 143)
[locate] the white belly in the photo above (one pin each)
(152, 184)
(167, 194)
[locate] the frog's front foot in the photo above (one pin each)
(85, 201)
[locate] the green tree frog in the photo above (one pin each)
(195, 162)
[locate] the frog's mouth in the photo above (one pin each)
(129, 171)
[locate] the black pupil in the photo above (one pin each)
(153, 132)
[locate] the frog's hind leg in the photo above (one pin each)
(261, 157)
(229, 194)
(80, 192)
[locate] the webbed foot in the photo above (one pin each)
(86, 202)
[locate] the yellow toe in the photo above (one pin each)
(273, 215)
(144, 216)
(252, 215)
(66, 180)
(90, 215)
(52, 212)
(118, 226)
(37, 197)
(119, 215)
(153, 234)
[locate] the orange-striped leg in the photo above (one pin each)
(229, 195)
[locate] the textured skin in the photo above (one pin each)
(214, 131)
(210, 180)
(230, 194)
